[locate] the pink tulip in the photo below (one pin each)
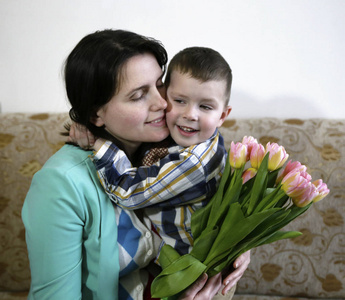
(322, 190)
(295, 182)
(309, 193)
(298, 187)
(249, 174)
(238, 155)
(277, 157)
(257, 154)
(296, 165)
(249, 141)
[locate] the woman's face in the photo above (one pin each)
(136, 113)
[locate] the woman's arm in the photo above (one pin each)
(54, 226)
(71, 231)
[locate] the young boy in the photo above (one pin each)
(198, 85)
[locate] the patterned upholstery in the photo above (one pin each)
(310, 266)
(26, 142)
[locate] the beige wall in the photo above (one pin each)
(286, 56)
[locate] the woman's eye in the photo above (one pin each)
(138, 96)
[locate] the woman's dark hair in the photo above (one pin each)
(93, 71)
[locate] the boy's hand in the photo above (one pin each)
(240, 265)
(81, 136)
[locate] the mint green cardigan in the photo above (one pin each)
(71, 231)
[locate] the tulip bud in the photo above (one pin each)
(277, 157)
(290, 166)
(248, 174)
(322, 190)
(294, 183)
(238, 155)
(257, 154)
(249, 141)
(307, 196)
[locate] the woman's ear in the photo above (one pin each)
(224, 115)
(97, 119)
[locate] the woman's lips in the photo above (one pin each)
(157, 122)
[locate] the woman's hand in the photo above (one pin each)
(80, 135)
(203, 289)
(240, 265)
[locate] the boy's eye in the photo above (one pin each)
(179, 101)
(206, 107)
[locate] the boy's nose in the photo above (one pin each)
(190, 113)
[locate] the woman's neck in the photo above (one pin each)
(130, 149)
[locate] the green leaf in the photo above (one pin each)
(280, 235)
(199, 219)
(167, 256)
(270, 200)
(234, 190)
(272, 177)
(294, 213)
(217, 199)
(230, 197)
(268, 226)
(259, 186)
(203, 243)
(235, 228)
(177, 277)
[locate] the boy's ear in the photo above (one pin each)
(224, 115)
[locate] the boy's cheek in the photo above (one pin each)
(169, 105)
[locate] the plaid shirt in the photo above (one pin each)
(171, 189)
(168, 191)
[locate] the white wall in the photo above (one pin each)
(286, 55)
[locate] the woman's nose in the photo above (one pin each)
(159, 103)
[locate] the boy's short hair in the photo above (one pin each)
(203, 64)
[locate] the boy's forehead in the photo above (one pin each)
(188, 75)
(186, 83)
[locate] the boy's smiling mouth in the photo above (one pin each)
(186, 129)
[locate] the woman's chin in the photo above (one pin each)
(158, 136)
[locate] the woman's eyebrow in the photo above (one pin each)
(142, 87)
(145, 86)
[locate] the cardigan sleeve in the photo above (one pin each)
(54, 232)
(71, 231)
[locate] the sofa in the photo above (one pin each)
(311, 266)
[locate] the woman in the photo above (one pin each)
(114, 85)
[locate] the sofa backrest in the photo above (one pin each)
(312, 265)
(26, 142)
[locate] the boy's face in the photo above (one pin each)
(195, 109)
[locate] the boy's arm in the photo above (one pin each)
(134, 188)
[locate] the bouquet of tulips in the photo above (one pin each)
(249, 209)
